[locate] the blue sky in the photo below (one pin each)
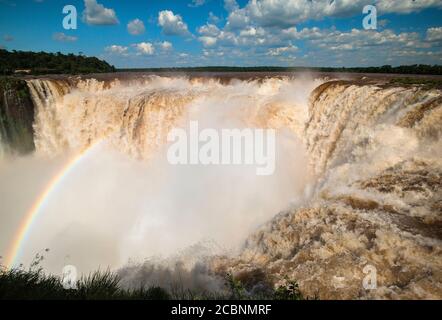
(163, 33)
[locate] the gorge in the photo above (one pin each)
(357, 180)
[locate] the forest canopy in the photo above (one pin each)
(410, 69)
(50, 63)
(38, 63)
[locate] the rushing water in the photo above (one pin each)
(358, 175)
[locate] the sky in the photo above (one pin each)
(179, 33)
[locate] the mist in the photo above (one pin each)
(124, 203)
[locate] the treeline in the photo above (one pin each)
(411, 69)
(38, 63)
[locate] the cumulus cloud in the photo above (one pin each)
(172, 24)
(357, 39)
(136, 27)
(116, 49)
(266, 28)
(369, 48)
(213, 18)
(305, 33)
(96, 14)
(237, 19)
(165, 46)
(434, 34)
(285, 13)
(60, 36)
(256, 44)
(401, 6)
(231, 5)
(263, 31)
(144, 48)
(210, 30)
(281, 50)
(251, 32)
(208, 41)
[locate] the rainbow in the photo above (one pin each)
(40, 202)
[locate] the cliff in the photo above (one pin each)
(16, 117)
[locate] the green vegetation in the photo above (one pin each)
(425, 83)
(19, 284)
(289, 291)
(38, 63)
(237, 289)
(34, 284)
(412, 69)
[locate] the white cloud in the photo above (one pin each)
(254, 44)
(165, 46)
(197, 3)
(60, 36)
(210, 30)
(231, 5)
(341, 47)
(401, 6)
(360, 47)
(172, 24)
(306, 33)
(237, 19)
(208, 41)
(285, 13)
(434, 34)
(136, 27)
(213, 18)
(144, 48)
(374, 41)
(281, 50)
(115, 49)
(96, 14)
(252, 32)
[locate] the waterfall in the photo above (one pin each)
(359, 178)
(377, 155)
(137, 115)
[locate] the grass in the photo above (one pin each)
(34, 284)
(20, 284)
